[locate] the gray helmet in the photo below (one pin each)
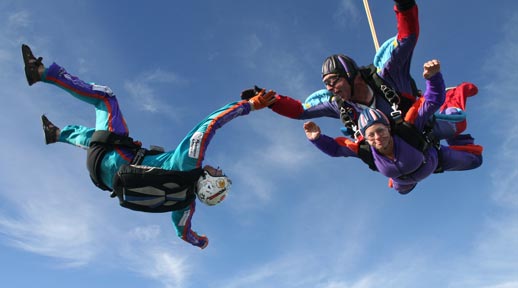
(341, 65)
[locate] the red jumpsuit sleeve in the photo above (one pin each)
(288, 107)
(407, 19)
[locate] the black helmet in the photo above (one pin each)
(341, 65)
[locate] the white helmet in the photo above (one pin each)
(212, 189)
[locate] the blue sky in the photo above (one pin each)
(296, 217)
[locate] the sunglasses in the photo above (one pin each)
(331, 81)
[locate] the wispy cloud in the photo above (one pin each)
(248, 49)
(19, 19)
(503, 87)
(155, 259)
(47, 219)
(282, 148)
(49, 206)
(346, 13)
(496, 253)
(142, 91)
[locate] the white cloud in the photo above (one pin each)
(52, 220)
(501, 67)
(346, 13)
(147, 254)
(19, 19)
(494, 261)
(142, 90)
(248, 49)
(143, 94)
(161, 76)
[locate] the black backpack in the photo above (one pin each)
(155, 190)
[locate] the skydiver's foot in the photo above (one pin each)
(33, 67)
(461, 139)
(50, 130)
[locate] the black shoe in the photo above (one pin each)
(50, 130)
(31, 65)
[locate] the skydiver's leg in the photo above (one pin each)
(451, 118)
(108, 114)
(454, 159)
(456, 100)
(76, 135)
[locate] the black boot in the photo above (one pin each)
(31, 65)
(50, 130)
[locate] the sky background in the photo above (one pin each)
(295, 217)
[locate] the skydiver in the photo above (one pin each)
(116, 163)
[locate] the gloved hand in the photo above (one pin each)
(198, 240)
(263, 100)
(204, 241)
(249, 93)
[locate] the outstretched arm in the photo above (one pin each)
(395, 64)
(182, 224)
(340, 147)
(434, 95)
(295, 109)
(194, 145)
(191, 150)
(407, 19)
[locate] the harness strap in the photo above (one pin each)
(345, 117)
(103, 141)
(365, 154)
(110, 138)
(404, 102)
(139, 156)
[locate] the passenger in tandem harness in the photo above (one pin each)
(148, 180)
(404, 152)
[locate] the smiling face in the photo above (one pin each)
(378, 136)
(338, 85)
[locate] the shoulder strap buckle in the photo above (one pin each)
(139, 156)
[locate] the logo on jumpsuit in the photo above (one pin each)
(195, 147)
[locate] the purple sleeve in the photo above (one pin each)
(396, 70)
(329, 146)
(434, 97)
